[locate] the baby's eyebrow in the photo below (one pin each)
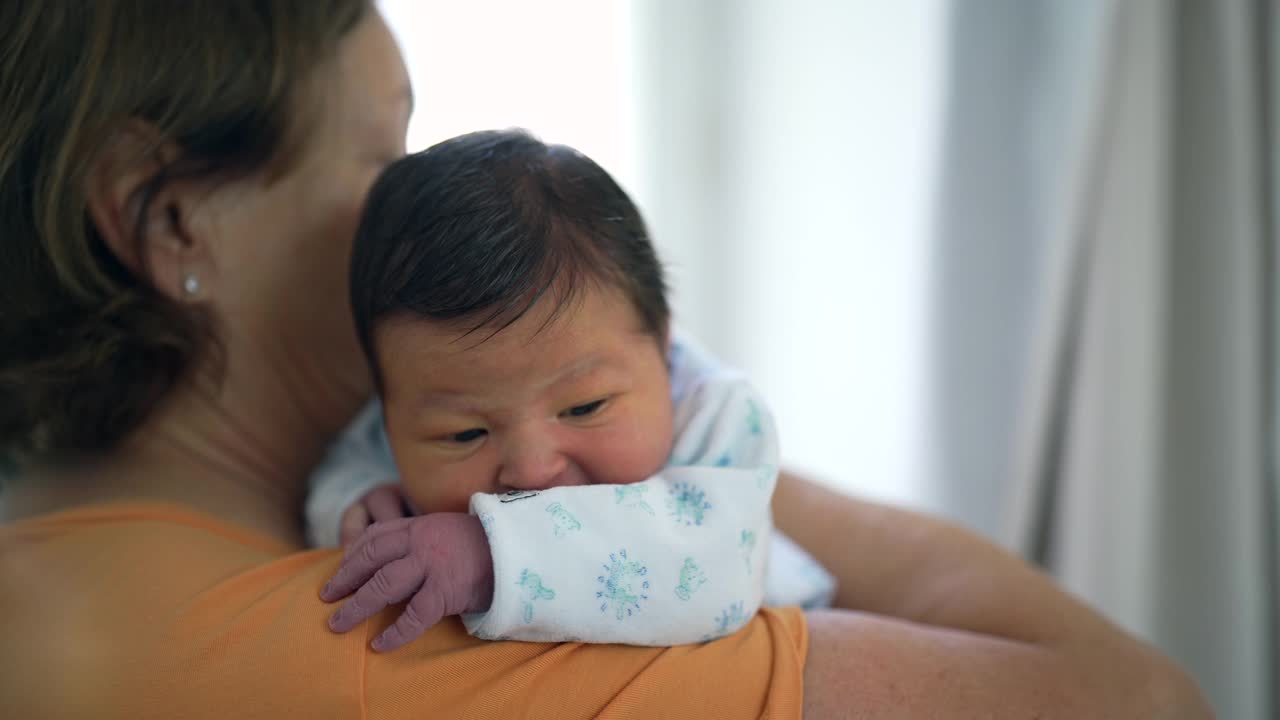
(609, 367)
(579, 368)
(455, 401)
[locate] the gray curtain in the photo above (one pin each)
(1107, 245)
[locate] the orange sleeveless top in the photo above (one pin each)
(151, 610)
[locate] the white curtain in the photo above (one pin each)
(1098, 348)
(1108, 223)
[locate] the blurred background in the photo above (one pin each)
(1012, 262)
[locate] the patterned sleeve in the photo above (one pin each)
(358, 461)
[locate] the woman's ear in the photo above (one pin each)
(143, 218)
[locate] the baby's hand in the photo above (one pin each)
(383, 503)
(442, 560)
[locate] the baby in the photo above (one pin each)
(618, 483)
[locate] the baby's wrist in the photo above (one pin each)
(482, 598)
(481, 555)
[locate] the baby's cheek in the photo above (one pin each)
(431, 497)
(627, 454)
(418, 493)
(430, 489)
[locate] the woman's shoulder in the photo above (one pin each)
(756, 672)
(136, 600)
(131, 541)
(154, 606)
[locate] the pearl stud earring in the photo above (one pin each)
(190, 284)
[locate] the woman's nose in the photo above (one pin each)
(531, 460)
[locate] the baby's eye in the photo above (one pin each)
(467, 436)
(579, 411)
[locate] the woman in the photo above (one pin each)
(179, 184)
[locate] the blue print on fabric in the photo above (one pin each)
(623, 586)
(563, 521)
(731, 618)
(691, 578)
(764, 475)
(632, 496)
(747, 545)
(688, 503)
(753, 418)
(533, 591)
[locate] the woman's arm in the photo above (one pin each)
(948, 625)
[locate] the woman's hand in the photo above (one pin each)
(441, 560)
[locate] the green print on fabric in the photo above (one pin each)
(620, 590)
(632, 496)
(747, 544)
(563, 520)
(691, 578)
(533, 591)
(688, 503)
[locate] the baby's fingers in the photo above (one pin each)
(425, 610)
(388, 586)
(353, 522)
(385, 503)
(363, 559)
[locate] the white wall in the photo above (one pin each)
(560, 68)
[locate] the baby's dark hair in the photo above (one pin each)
(479, 228)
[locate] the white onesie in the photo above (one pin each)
(684, 556)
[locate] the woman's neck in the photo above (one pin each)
(154, 474)
(238, 450)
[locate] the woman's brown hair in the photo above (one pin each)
(87, 348)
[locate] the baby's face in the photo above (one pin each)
(583, 399)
